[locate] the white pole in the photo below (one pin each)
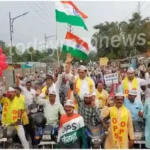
(57, 48)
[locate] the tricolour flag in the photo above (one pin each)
(67, 12)
(76, 46)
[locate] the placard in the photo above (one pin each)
(103, 61)
(111, 78)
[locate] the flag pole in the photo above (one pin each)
(57, 48)
(56, 41)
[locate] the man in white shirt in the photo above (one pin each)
(145, 86)
(52, 109)
(26, 90)
(42, 75)
(31, 77)
(28, 93)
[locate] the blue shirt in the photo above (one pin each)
(134, 109)
(119, 90)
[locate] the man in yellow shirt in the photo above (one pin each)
(120, 132)
(101, 95)
(27, 126)
(12, 114)
(131, 82)
(22, 99)
(83, 84)
(49, 83)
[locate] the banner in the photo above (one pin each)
(10, 67)
(126, 65)
(103, 61)
(111, 78)
(24, 66)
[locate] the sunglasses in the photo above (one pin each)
(120, 99)
(81, 72)
(87, 98)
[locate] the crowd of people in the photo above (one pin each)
(76, 97)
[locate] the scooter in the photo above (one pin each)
(49, 138)
(7, 133)
(96, 136)
(139, 133)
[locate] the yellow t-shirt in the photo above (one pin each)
(22, 98)
(10, 110)
(102, 97)
(43, 91)
(24, 113)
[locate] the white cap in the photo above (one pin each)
(10, 89)
(22, 82)
(119, 94)
(133, 92)
(94, 94)
(69, 102)
(52, 92)
(41, 71)
(143, 82)
(130, 70)
(83, 68)
(87, 95)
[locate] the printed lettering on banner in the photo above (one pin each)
(111, 78)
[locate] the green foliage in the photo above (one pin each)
(31, 54)
(105, 32)
(134, 29)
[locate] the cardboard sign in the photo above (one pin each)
(103, 61)
(126, 65)
(111, 78)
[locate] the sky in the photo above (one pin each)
(30, 29)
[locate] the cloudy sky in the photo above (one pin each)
(41, 19)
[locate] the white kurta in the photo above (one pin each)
(85, 88)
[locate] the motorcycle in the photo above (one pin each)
(37, 120)
(7, 133)
(49, 138)
(138, 133)
(96, 136)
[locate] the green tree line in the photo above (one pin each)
(134, 37)
(136, 30)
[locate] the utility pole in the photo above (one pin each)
(11, 21)
(139, 8)
(47, 37)
(31, 57)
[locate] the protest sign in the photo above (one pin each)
(103, 61)
(111, 78)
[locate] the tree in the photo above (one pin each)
(122, 39)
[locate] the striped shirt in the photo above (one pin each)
(91, 115)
